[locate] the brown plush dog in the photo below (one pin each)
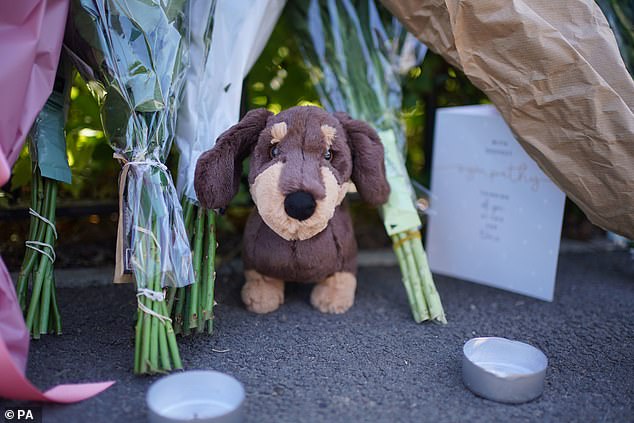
(302, 161)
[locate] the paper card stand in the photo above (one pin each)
(496, 216)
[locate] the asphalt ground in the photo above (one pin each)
(372, 364)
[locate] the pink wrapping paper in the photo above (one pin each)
(13, 333)
(31, 34)
(14, 347)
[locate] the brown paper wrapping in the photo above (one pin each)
(554, 71)
(120, 275)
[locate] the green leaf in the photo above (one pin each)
(21, 176)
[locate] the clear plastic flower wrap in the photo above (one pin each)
(134, 55)
(356, 62)
(226, 39)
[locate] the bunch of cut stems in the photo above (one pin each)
(156, 349)
(40, 310)
(355, 57)
(191, 307)
(423, 298)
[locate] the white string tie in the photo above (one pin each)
(45, 220)
(154, 296)
(146, 162)
(33, 245)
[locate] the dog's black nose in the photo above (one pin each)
(299, 205)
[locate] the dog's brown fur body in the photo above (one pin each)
(331, 250)
(301, 150)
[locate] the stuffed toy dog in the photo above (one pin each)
(302, 161)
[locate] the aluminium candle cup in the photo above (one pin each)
(503, 370)
(196, 396)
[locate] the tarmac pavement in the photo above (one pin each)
(372, 364)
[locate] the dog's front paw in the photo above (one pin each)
(262, 294)
(335, 294)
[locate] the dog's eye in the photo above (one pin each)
(328, 155)
(275, 151)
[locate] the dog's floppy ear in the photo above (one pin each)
(368, 165)
(218, 170)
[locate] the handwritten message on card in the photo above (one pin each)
(496, 217)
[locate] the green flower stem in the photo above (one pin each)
(47, 296)
(187, 296)
(171, 297)
(143, 276)
(34, 310)
(45, 301)
(193, 301)
(51, 320)
(431, 295)
(56, 317)
(191, 307)
(407, 282)
(186, 315)
(169, 346)
(41, 310)
(188, 213)
(171, 341)
(155, 343)
(49, 204)
(210, 266)
(137, 340)
(34, 329)
(164, 347)
(29, 255)
(202, 297)
(415, 276)
(155, 306)
(181, 293)
(145, 340)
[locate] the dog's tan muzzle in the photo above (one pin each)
(298, 215)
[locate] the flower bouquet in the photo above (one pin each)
(47, 148)
(226, 40)
(134, 55)
(355, 61)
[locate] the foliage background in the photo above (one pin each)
(277, 81)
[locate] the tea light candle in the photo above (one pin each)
(196, 396)
(503, 370)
